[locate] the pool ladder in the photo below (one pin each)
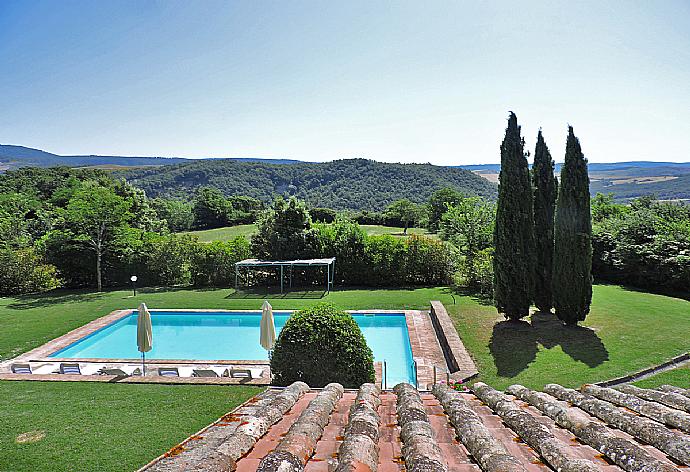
(414, 366)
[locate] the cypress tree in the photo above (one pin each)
(572, 268)
(513, 235)
(545, 191)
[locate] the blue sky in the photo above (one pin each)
(392, 81)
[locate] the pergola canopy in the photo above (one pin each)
(329, 263)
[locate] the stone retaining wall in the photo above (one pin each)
(458, 359)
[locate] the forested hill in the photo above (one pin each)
(355, 184)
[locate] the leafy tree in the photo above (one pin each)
(145, 215)
(213, 263)
(604, 208)
(95, 216)
(177, 214)
(211, 209)
(513, 235)
(23, 271)
(469, 225)
(245, 209)
(346, 241)
(403, 211)
(438, 205)
(545, 192)
(21, 219)
(645, 243)
(166, 260)
(323, 215)
(284, 232)
(572, 274)
(428, 261)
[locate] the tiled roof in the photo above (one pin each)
(300, 429)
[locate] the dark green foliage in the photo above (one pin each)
(403, 213)
(545, 192)
(211, 209)
(469, 225)
(384, 260)
(428, 261)
(572, 268)
(323, 215)
(365, 217)
(438, 205)
(213, 264)
(513, 235)
(346, 242)
(645, 243)
(23, 271)
(284, 232)
(176, 214)
(319, 345)
(44, 183)
(352, 184)
(97, 217)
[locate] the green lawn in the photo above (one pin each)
(679, 377)
(102, 427)
(224, 234)
(230, 232)
(626, 331)
(29, 321)
(373, 230)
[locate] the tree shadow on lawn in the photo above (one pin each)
(42, 300)
(514, 344)
(275, 294)
(482, 299)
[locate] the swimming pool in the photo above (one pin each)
(224, 335)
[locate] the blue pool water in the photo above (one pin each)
(232, 335)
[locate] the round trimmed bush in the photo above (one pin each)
(319, 345)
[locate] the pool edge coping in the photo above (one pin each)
(42, 352)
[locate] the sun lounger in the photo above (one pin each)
(21, 369)
(251, 373)
(168, 372)
(71, 368)
(205, 373)
(123, 371)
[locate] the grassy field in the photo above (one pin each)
(224, 234)
(29, 321)
(679, 377)
(230, 232)
(626, 331)
(55, 426)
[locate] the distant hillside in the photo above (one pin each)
(626, 180)
(675, 188)
(14, 157)
(345, 184)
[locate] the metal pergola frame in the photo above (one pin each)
(329, 263)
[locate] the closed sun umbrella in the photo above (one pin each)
(144, 334)
(268, 327)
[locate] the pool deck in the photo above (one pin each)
(427, 351)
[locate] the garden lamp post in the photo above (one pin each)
(134, 284)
